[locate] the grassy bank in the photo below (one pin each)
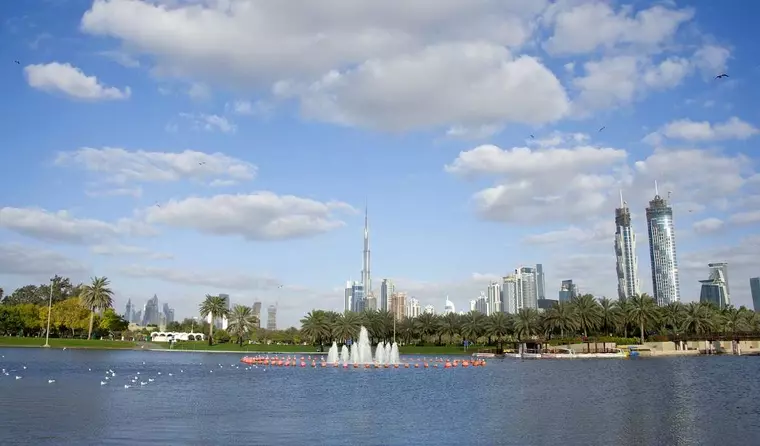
(6, 341)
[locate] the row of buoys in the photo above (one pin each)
(294, 362)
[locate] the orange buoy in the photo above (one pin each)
(395, 366)
(324, 364)
(356, 366)
(447, 365)
(406, 366)
(425, 365)
(416, 366)
(366, 366)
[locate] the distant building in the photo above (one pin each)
(528, 287)
(493, 294)
(625, 251)
(754, 286)
(272, 317)
(449, 308)
(386, 291)
(370, 303)
(723, 267)
(129, 311)
(413, 308)
(348, 294)
(429, 309)
(168, 314)
(511, 295)
(568, 291)
(151, 314)
(662, 251)
(398, 305)
(715, 289)
(545, 304)
(357, 297)
(540, 282)
(257, 312)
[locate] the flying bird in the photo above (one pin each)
(602, 128)
(201, 163)
(532, 136)
(17, 62)
(721, 76)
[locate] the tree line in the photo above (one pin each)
(579, 319)
(76, 309)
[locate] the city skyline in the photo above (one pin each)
(483, 137)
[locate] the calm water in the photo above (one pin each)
(675, 401)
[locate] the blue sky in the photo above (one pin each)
(190, 147)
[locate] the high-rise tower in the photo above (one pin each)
(662, 250)
(625, 250)
(366, 276)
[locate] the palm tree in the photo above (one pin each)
(242, 321)
(96, 296)
(644, 311)
(607, 313)
(215, 306)
(672, 316)
(316, 327)
(425, 325)
(346, 326)
(561, 317)
(623, 315)
(449, 326)
(471, 327)
(735, 320)
(588, 314)
(526, 323)
(498, 325)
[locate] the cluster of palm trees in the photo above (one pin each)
(582, 316)
(241, 320)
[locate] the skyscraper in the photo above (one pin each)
(662, 251)
(540, 282)
(527, 282)
(625, 250)
(386, 291)
(567, 290)
(366, 275)
(715, 289)
(348, 294)
(128, 314)
(257, 312)
(151, 314)
(272, 317)
(754, 287)
(357, 297)
(511, 294)
(413, 309)
(723, 267)
(398, 305)
(493, 294)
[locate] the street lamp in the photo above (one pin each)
(50, 311)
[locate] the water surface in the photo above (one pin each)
(663, 401)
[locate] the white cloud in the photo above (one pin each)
(475, 84)
(707, 225)
(29, 261)
(199, 91)
(209, 123)
(593, 25)
(216, 280)
(62, 226)
(744, 218)
(121, 58)
(712, 60)
(258, 108)
(257, 216)
(69, 80)
(599, 232)
(119, 191)
(121, 166)
(128, 250)
(697, 131)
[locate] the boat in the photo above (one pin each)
(561, 353)
(484, 355)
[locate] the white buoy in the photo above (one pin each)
(51, 381)
(18, 377)
(102, 383)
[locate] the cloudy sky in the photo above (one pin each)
(186, 147)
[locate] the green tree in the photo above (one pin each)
(498, 326)
(242, 322)
(587, 312)
(346, 326)
(216, 306)
(70, 314)
(315, 326)
(472, 325)
(644, 312)
(561, 317)
(112, 322)
(526, 323)
(96, 296)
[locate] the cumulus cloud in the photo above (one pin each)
(700, 131)
(707, 225)
(256, 216)
(119, 165)
(71, 81)
(128, 250)
(30, 261)
(210, 123)
(63, 226)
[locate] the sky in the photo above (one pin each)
(192, 147)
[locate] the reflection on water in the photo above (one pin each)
(674, 401)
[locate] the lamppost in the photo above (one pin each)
(50, 311)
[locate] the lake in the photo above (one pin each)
(662, 401)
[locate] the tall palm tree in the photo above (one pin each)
(425, 325)
(698, 319)
(623, 315)
(315, 326)
(449, 326)
(644, 311)
(96, 296)
(242, 321)
(588, 314)
(346, 326)
(471, 327)
(672, 316)
(499, 326)
(735, 320)
(216, 306)
(607, 313)
(526, 323)
(561, 317)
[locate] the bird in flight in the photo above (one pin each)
(201, 163)
(721, 76)
(17, 62)
(158, 205)
(531, 136)
(604, 127)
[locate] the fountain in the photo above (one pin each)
(360, 352)
(332, 354)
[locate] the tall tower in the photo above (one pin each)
(662, 250)
(366, 276)
(625, 250)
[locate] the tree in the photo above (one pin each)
(644, 311)
(346, 326)
(499, 326)
(242, 321)
(587, 312)
(215, 306)
(315, 326)
(96, 296)
(112, 322)
(698, 319)
(561, 317)
(69, 314)
(526, 323)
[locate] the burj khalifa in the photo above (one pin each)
(366, 276)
